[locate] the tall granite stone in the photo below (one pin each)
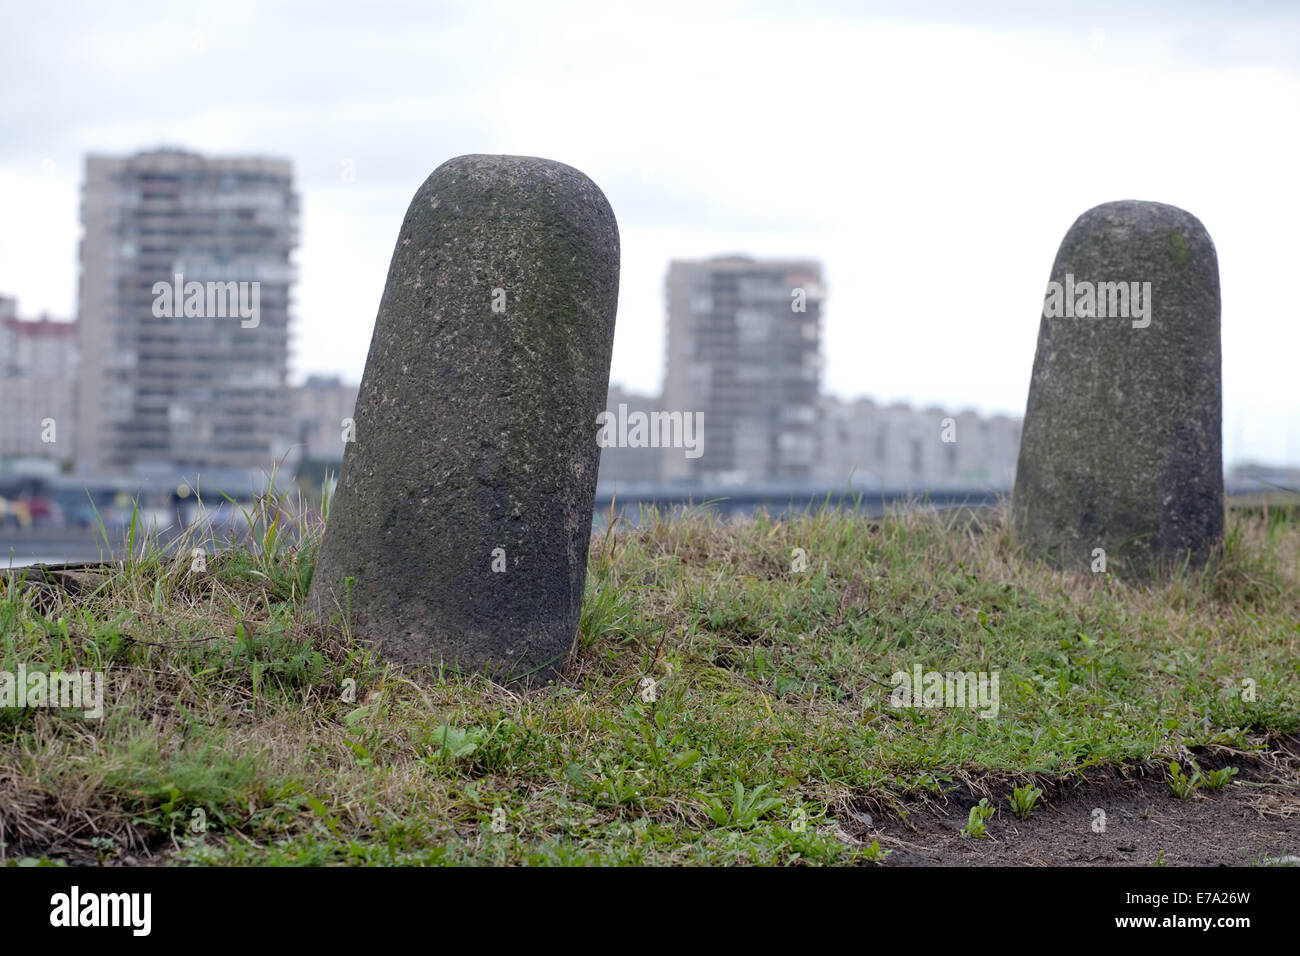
(459, 529)
(1122, 443)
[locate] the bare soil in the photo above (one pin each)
(1255, 820)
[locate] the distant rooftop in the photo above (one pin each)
(44, 326)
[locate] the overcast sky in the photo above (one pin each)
(931, 155)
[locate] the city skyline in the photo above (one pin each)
(849, 435)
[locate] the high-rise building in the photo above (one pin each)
(744, 341)
(184, 312)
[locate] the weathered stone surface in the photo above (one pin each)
(476, 427)
(1122, 442)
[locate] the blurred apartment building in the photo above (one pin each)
(743, 348)
(860, 444)
(902, 448)
(623, 466)
(38, 362)
(184, 392)
(322, 412)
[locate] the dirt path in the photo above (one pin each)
(1112, 818)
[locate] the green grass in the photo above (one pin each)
(718, 708)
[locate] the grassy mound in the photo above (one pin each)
(728, 699)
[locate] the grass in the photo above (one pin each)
(718, 708)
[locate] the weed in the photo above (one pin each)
(976, 819)
(1023, 800)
